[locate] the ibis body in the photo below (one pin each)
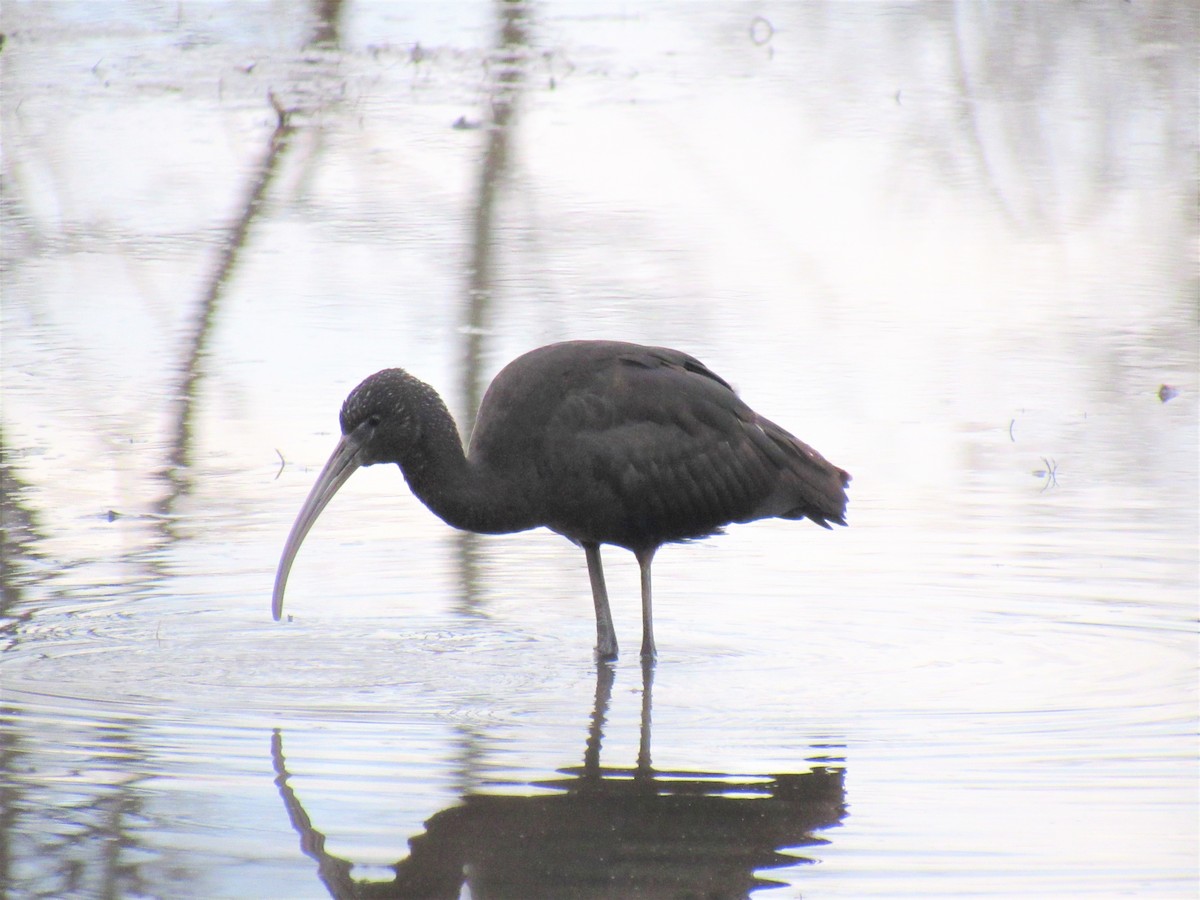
(603, 442)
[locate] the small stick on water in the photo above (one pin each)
(1050, 473)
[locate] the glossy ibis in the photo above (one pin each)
(600, 441)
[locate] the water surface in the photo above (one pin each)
(953, 246)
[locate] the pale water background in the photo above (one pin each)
(952, 245)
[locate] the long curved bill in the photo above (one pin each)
(342, 463)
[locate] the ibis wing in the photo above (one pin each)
(656, 447)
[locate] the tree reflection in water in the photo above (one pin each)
(601, 832)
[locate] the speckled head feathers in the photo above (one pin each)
(380, 396)
(393, 415)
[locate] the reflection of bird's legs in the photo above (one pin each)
(605, 673)
(606, 635)
(644, 558)
(644, 769)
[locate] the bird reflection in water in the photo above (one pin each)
(601, 832)
(604, 442)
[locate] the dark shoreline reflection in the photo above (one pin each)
(600, 832)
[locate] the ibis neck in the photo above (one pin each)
(462, 493)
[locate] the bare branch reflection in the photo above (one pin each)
(328, 15)
(179, 440)
(508, 65)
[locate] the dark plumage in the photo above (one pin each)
(601, 441)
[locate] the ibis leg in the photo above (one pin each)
(644, 558)
(606, 635)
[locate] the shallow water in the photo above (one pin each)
(953, 246)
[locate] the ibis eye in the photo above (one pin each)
(373, 421)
